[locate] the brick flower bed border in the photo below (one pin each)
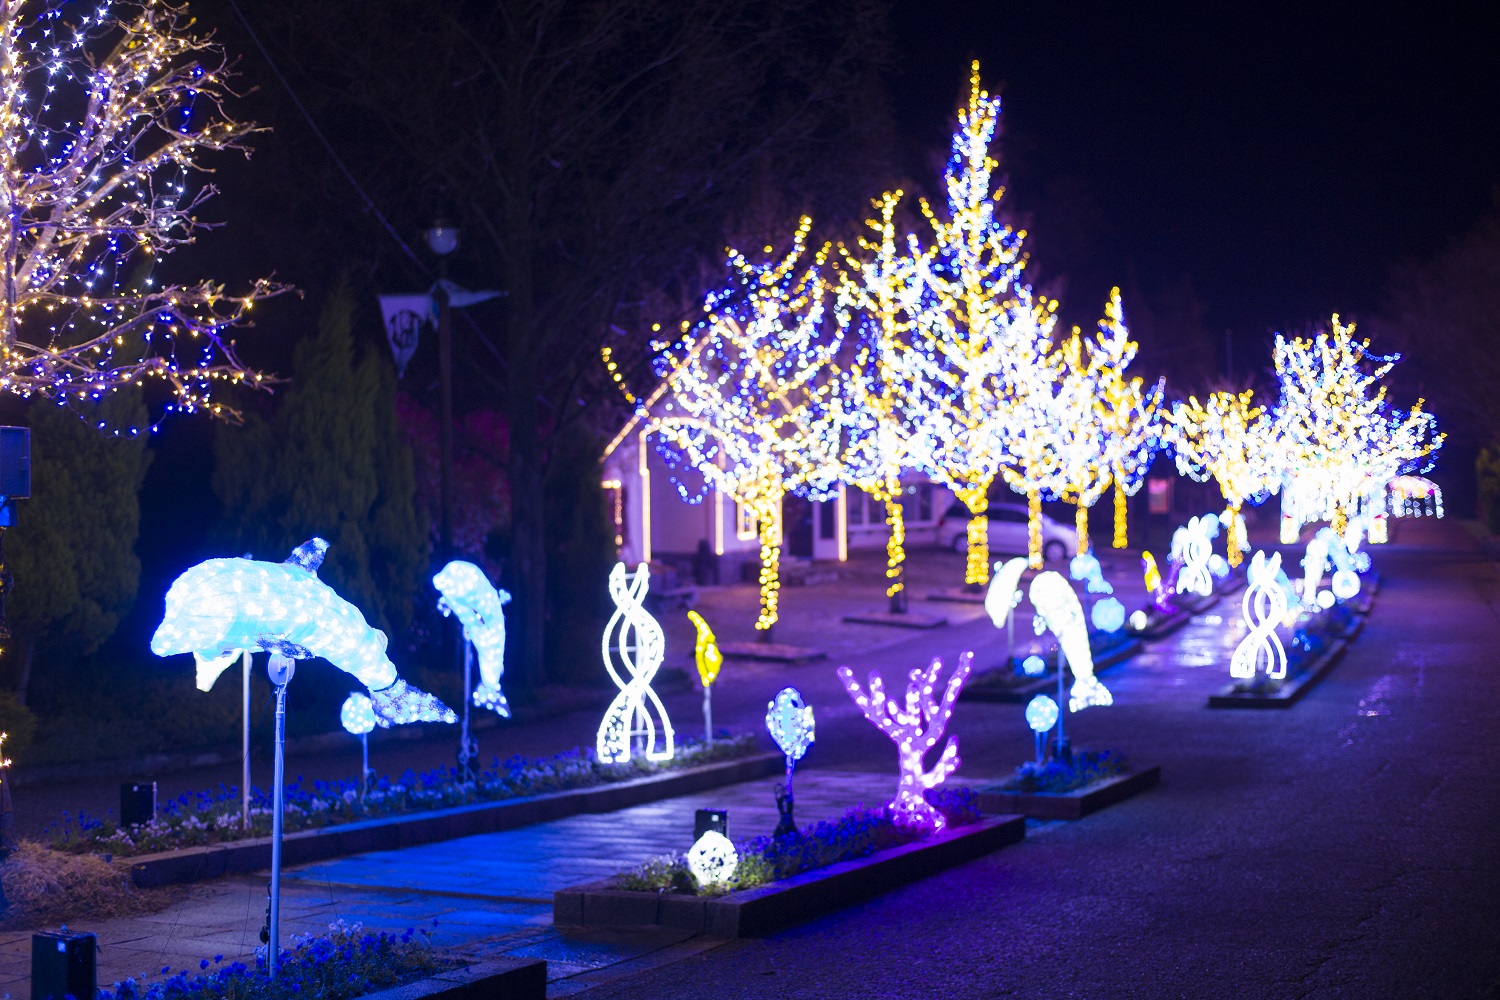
(1292, 691)
(195, 864)
(771, 908)
(1069, 805)
(511, 979)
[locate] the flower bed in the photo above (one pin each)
(344, 963)
(859, 833)
(212, 818)
(1056, 777)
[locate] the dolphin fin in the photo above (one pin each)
(309, 555)
(209, 668)
(401, 704)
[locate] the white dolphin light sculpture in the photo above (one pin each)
(1058, 607)
(467, 593)
(221, 606)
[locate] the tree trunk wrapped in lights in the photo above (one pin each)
(753, 398)
(105, 116)
(915, 725)
(1234, 442)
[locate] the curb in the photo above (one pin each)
(783, 904)
(195, 864)
(1068, 805)
(1015, 694)
(1290, 693)
(513, 979)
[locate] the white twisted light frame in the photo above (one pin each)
(630, 713)
(1197, 548)
(1264, 607)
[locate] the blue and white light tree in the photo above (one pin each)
(107, 114)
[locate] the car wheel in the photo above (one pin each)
(961, 543)
(1054, 551)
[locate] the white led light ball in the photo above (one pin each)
(713, 859)
(1326, 598)
(1345, 584)
(357, 715)
(1108, 615)
(1138, 620)
(1033, 666)
(1041, 713)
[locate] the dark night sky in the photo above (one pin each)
(1282, 158)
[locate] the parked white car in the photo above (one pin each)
(1007, 532)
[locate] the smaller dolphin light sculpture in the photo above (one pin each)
(467, 593)
(1058, 607)
(221, 606)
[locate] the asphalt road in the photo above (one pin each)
(1343, 848)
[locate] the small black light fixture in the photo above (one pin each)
(442, 237)
(705, 820)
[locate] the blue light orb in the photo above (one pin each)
(1108, 615)
(357, 715)
(1041, 713)
(1033, 666)
(1218, 566)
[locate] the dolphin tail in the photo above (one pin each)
(1087, 692)
(401, 704)
(492, 698)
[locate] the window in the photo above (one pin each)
(916, 502)
(856, 506)
(744, 522)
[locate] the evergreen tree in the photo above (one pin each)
(73, 547)
(330, 461)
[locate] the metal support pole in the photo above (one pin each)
(245, 741)
(708, 714)
(1010, 637)
(280, 669)
(1064, 753)
(364, 772)
(466, 743)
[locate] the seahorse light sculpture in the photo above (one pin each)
(709, 659)
(1159, 599)
(1058, 608)
(1264, 606)
(790, 722)
(221, 606)
(1196, 549)
(915, 726)
(640, 650)
(468, 593)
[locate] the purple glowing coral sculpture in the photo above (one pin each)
(915, 726)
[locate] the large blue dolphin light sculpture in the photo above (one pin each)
(222, 606)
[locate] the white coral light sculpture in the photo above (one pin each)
(915, 726)
(639, 650)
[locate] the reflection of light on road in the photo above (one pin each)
(1193, 658)
(1375, 703)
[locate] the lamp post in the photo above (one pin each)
(442, 240)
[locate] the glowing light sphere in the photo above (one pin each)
(223, 605)
(1085, 567)
(790, 722)
(1326, 599)
(1108, 615)
(1033, 666)
(1264, 607)
(1138, 620)
(634, 711)
(357, 715)
(1345, 584)
(468, 593)
(713, 860)
(1218, 566)
(1058, 607)
(1041, 714)
(915, 725)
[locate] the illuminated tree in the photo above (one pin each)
(753, 399)
(1233, 441)
(1129, 412)
(881, 293)
(980, 350)
(1336, 432)
(105, 116)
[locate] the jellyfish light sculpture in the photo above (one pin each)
(358, 718)
(1041, 716)
(915, 724)
(790, 722)
(633, 713)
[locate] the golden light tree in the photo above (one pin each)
(879, 293)
(1078, 434)
(1336, 431)
(1233, 441)
(107, 114)
(980, 347)
(753, 398)
(1130, 412)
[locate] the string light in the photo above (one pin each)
(1233, 441)
(103, 120)
(915, 725)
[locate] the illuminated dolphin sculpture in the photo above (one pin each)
(1058, 607)
(221, 606)
(467, 593)
(1005, 590)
